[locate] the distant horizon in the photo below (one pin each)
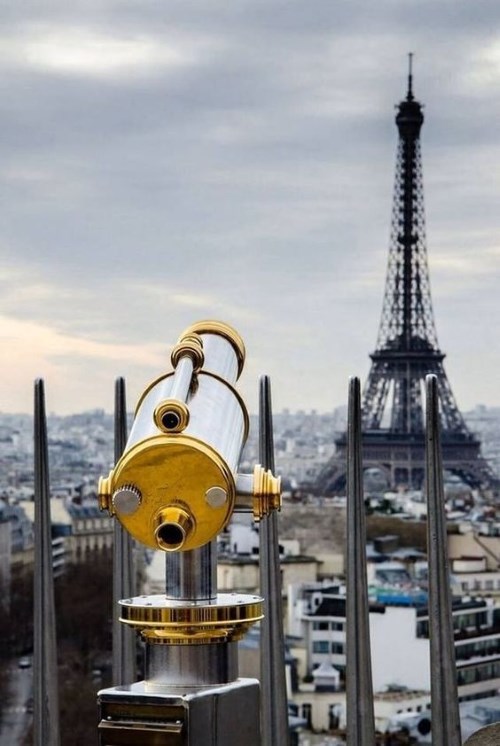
(283, 410)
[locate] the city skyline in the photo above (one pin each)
(163, 165)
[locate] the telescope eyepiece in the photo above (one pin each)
(174, 525)
(171, 416)
(170, 420)
(171, 535)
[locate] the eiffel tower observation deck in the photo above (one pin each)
(407, 348)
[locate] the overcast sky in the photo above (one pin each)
(163, 162)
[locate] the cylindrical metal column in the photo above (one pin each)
(45, 690)
(124, 646)
(192, 576)
(274, 709)
(359, 688)
(193, 666)
(444, 695)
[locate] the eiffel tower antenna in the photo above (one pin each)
(407, 347)
(409, 96)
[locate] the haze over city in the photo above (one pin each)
(167, 163)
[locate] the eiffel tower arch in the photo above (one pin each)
(407, 348)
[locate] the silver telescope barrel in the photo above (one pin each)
(206, 406)
(182, 379)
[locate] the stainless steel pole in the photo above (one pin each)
(444, 695)
(274, 707)
(124, 642)
(359, 691)
(192, 576)
(45, 693)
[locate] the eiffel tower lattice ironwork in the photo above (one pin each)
(407, 348)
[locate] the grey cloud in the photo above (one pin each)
(252, 182)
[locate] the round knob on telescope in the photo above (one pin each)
(126, 499)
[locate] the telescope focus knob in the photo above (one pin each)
(126, 499)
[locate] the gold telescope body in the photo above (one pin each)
(176, 485)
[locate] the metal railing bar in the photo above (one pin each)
(45, 681)
(124, 638)
(359, 690)
(444, 694)
(274, 708)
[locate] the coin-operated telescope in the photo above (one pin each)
(175, 488)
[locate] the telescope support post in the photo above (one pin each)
(191, 694)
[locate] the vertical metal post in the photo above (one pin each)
(444, 696)
(124, 639)
(274, 707)
(45, 693)
(359, 691)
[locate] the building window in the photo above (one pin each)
(307, 714)
(470, 620)
(320, 646)
(320, 625)
(473, 674)
(333, 717)
(423, 629)
(337, 648)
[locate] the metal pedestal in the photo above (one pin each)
(226, 715)
(191, 694)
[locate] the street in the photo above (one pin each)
(15, 718)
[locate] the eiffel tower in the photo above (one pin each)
(407, 348)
